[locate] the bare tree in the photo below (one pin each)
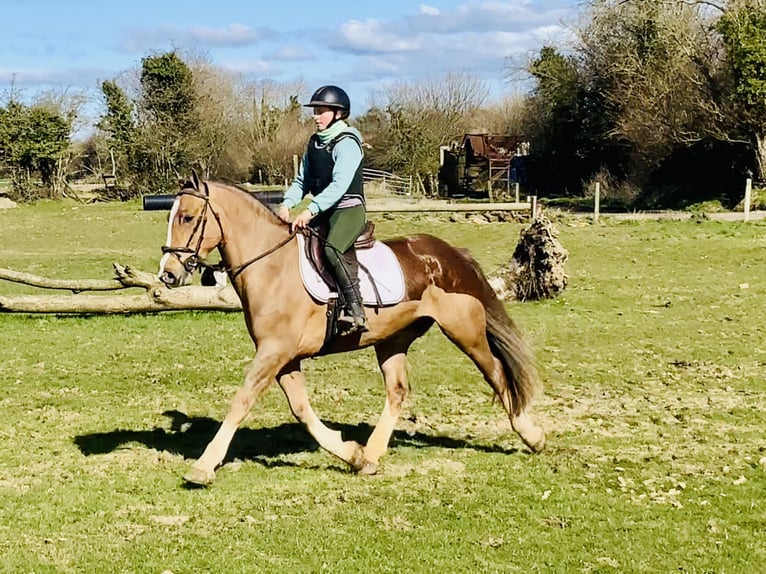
(274, 127)
(218, 144)
(426, 114)
(506, 116)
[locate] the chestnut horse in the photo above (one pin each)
(443, 284)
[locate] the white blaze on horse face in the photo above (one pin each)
(171, 219)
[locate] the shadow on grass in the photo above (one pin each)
(188, 436)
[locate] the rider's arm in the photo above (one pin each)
(294, 193)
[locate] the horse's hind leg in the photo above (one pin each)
(293, 384)
(462, 318)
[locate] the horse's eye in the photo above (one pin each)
(188, 218)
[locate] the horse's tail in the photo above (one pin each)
(509, 346)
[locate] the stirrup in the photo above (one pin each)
(348, 323)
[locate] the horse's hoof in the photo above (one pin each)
(537, 446)
(356, 459)
(199, 476)
(368, 468)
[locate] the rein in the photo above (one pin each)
(234, 272)
(194, 260)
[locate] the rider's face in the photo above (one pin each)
(323, 117)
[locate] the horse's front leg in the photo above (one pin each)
(260, 375)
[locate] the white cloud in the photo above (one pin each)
(373, 36)
(375, 67)
(478, 37)
(251, 66)
(233, 35)
(290, 53)
(83, 77)
(473, 16)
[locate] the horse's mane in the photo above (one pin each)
(236, 188)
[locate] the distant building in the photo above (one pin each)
(482, 165)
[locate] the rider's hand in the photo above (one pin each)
(284, 213)
(303, 219)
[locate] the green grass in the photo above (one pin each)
(654, 403)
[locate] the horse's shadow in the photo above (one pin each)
(189, 435)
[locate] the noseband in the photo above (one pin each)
(194, 260)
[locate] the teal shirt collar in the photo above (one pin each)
(331, 132)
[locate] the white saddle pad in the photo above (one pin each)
(377, 265)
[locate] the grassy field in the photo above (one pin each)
(654, 403)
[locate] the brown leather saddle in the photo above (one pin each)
(314, 246)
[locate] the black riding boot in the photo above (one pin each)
(347, 276)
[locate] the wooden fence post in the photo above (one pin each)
(516, 185)
(596, 201)
(748, 193)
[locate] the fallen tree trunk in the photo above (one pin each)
(156, 297)
(536, 271)
(184, 298)
(125, 277)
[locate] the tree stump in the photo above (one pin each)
(536, 270)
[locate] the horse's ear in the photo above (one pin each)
(195, 179)
(181, 181)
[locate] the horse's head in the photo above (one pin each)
(193, 231)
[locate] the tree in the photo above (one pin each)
(568, 125)
(168, 120)
(645, 83)
(118, 124)
(657, 65)
(743, 30)
(375, 126)
(216, 147)
(505, 116)
(32, 141)
(185, 112)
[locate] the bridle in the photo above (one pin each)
(194, 260)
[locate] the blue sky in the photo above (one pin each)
(360, 45)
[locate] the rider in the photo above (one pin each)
(331, 171)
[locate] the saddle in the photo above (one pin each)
(314, 246)
(381, 280)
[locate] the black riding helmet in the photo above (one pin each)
(331, 97)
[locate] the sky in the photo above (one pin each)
(362, 45)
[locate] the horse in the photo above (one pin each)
(443, 285)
